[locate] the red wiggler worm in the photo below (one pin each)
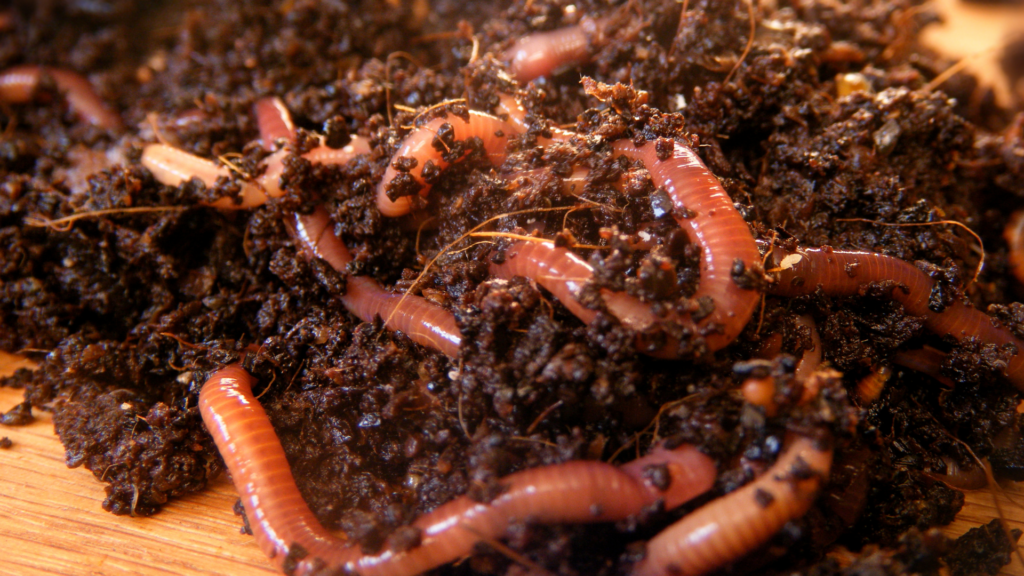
(431, 143)
(563, 274)
(289, 534)
(19, 84)
(846, 273)
(736, 524)
(542, 53)
(708, 216)
(424, 322)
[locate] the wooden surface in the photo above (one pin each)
(51, 521)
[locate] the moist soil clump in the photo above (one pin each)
(817, 125)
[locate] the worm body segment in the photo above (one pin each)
(542, 53)
(424, 322)
(739, 522)
(423, 145)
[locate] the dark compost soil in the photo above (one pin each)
(128, 313)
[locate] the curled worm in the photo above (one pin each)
(19, 84)
(564, 274)
(708, 216)
(424, 322)
(845, 273)
(288, 533)
(434, 144)
(736, 524)
(173, 166)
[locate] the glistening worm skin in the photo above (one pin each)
(542, 53)
(18, 85)
(287, 532)
(564, 274)
(423, 145)
(709, 218)
(845, 273)
(736, 524)
(425, 323)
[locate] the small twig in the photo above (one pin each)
(532, 566)
(750, 41)
(981, 245)
(64, 224)
(540, 418)
(956, 67)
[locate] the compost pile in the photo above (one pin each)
(814, 116)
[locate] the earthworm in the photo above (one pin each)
(1014, 236)
(289, 534)
(173, 166)
(710, 219)
(541, 53)
(926, 360)
(846, 273)
(432, 143)
(511, 107)
(735, 524)
(760, 390)
(273, 121)
(564, 274)
(424, 322)
(18, 85)
(706, 213)
(810, 360)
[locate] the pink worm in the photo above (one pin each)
(542, 53)
(424, 322)
(926, 360)
(563, 274)
(847, 273)
(422, 145)
(738, 523)
(172, 166)
(706, 213)
(289, 534)
(18, 85)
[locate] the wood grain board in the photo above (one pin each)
(51, 521)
